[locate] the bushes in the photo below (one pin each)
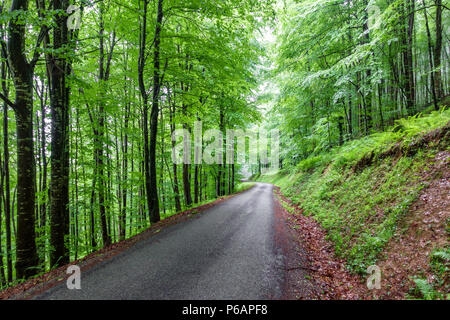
(244, 186)
(359, 191)
(361, 152)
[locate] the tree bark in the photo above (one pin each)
(59, 68)
(187, 178)
(438, 50)
(103, 77)
(176, 188)
(154, 201)
(408, 56)
(367, 100)
(430, 56)
(22, 71)
(7, 193)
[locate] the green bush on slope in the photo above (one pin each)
(358, 192)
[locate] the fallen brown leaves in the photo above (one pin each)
(407, 254)
(423, 229)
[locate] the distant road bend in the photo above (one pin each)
(225, 252)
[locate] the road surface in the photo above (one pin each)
(225, 252)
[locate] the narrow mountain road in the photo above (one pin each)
(225, 252)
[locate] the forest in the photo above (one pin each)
(93, 91)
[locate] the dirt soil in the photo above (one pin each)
(314, 272)
(422, 230)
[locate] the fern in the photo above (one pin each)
(443, 255)
(425, 289)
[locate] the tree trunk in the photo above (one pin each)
(2, 268)
(176, 188)
(7, 193)
(59, 68)
(187, 183)
(367, 99)
(437, 51)
(196, 183)
(22, 71)
(186, 171)
(341, 130)
(106, 237)
(154, 201)
(430, 56)
(232, 177)
(409, 12)
(125, 174)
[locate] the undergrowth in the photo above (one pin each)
(439, 263)
(359, 192)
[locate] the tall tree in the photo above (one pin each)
(157, 81)
(142, 61)
(22, 71)
(58, 70)
(7, 190)
(438, 50)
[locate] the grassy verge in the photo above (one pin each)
(244, 186)
(359, 192)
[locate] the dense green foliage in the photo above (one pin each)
(133, 73)
(344, 69)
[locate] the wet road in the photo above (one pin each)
(225, 252)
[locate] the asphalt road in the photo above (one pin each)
(225, 252)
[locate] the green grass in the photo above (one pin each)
(239, 188)
(360, 202)
(244, 186)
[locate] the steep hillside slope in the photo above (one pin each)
(384, 200)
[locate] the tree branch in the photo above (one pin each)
(8, 102)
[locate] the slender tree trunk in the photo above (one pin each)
(7, 193)
(409, 12)
(43, 156)
(438, 50)
(187, 181)
(2, 267)
(101, 137)
(154, 201)
(196, 183)
(341, 130)
(125, 173)
(186, 170)
(380, 103)
(59, 186)
(176, 188)
(75, 212)
(150, 146)
(430, 56)
(196, 174)
(232, 177)
(367, 99)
